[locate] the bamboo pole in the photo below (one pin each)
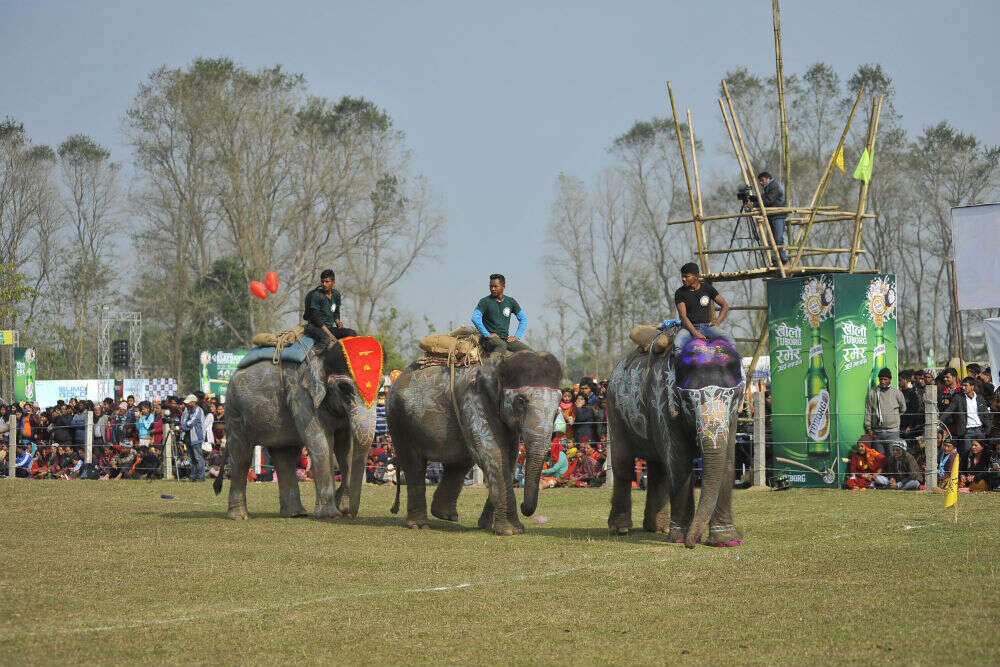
(753, 181)
(863, 193)
(748, 308)
(778, 210)
(825, 181)
(732, 138)
(758, 248)
(687, 178)
(786, 157)
(699, 228)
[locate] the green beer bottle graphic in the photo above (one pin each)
(817, 302)
(879, 354)
(817, 399)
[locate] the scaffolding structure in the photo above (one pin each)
(114, 322)
(762, 256)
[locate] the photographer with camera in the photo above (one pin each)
(773, 195)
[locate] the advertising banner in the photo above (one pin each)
(829, 336)
(50, 391)
(866, 343)
(24, 374)
(216, 369)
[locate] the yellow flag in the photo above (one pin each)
(839, 159)
(952, 496)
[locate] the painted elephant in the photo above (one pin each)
(500, 402)
(669, 410)
(309, 404)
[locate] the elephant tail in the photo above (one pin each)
(395, 506)
(217, 484)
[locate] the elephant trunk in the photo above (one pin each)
(713, 477)
(532, 474)
(362, 433)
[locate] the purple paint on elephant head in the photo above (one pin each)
(708, 362)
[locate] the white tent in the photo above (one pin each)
(992, 329)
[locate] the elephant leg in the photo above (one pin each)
(486, 516)
(681, 479)
(444, 504)
(415, 469)
(623, 466)
(311, 433)
(721, 531)
(657, 516)
(493, 472)
(240, 453)
(285, 459)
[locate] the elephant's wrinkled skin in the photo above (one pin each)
(497, 400)
(668, 411)
(287, 410)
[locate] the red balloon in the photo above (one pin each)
(271, 282)
(258, 290)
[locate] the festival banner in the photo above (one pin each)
(829, 336)
(866, 343)
(24, 374)
(216, 369)
(802, 365)
(49, 392)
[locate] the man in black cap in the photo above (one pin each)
(884, 406)
(972, 419)
(693, 300)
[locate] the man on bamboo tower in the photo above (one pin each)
(773, 196)
(492, 319)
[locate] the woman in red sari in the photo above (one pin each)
(865, 465)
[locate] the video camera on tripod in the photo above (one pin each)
(746, 196)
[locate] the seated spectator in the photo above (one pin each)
(900, 470)
(976, 477)
(435, 471)
(586, 470)
(303, 467)
(945, 461)
(23, 462)
(554, 471)
(866, 463)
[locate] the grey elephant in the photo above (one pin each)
(669, 410)
(283, 409)
(499, 402)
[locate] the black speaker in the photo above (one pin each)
(119, 353)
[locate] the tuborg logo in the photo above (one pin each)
(704, 300)
(506, 311)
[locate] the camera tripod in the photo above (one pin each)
(749, 238)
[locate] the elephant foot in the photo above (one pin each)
(724, 537)
(328, 512)
(619, 525)
(418, 522)
(653, 526)
(294, 512)
(238, 513)
(676, 535)
(505, 529)
(450, 514)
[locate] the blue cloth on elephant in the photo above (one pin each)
(295, 353)
(683, 336)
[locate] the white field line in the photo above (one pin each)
(170, 620)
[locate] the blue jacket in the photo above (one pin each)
(193, 421)
(79, 429)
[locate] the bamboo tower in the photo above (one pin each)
(803, 258)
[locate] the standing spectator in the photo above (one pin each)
(79, 422)
(884, 406)
(381, 426)
(209, 443)
(912, 423)
(584, 425)
(947, 382)
(971, 419)
(219, 426)
(193, 425)
(144, 423)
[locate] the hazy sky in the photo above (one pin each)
(496, 99)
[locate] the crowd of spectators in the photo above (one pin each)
(890, 455)
(127, 440)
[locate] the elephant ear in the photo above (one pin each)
(312, 378)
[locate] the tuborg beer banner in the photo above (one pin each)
(24, 374)
(216, 369)
(830, 335)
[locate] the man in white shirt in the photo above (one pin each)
(972, 419)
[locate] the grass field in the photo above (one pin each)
(110, 573)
